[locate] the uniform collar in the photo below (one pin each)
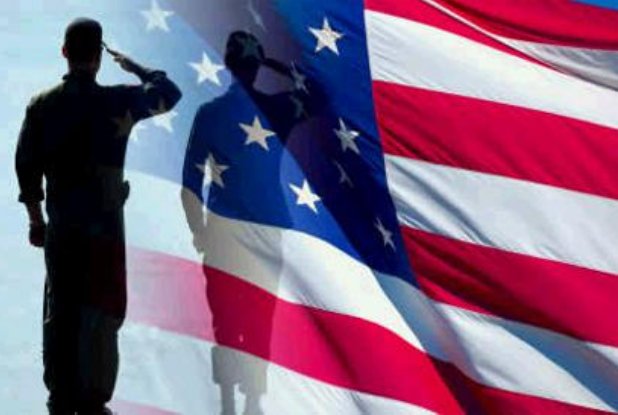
(81, 76)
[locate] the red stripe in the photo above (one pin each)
(498, 139)
(582, 303)
(482, 400)
(129, 408)
(421, 12)
(169, 293)
(333, 348)
(326, 346)
(562, 22)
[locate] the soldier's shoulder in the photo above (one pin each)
(121, 93)
(116, 87)
(119, 89)
(216, 105)
(206, 107)
(46, 96)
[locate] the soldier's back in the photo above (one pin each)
(84, 128)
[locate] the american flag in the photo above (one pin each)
(418, 216)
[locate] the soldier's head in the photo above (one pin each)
(243, 56)
(83, 45)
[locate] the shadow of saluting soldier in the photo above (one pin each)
(211, 141)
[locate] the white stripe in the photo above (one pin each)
(512, 356)
(175, 373)
(597, 66)
(262, 255)
(327, 278)
(410, 53)
(513, 215)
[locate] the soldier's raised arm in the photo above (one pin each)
(157, 94)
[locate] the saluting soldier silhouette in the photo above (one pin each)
(210, 150)
(75, 137)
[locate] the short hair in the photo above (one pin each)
(235, 49)
(83, 40)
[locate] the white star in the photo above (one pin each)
(213, 172)
(299, 80)
(387, 235)
(124, 125)
(135, 132)
(348, 137)
(327, 37)
(299, 107)
(305, 196)
(255, 15)
(165, 121)
(344, 178)
(161, 109)
(251, 48)
(163, 117)
(207, 70)
(156, 18)
(257, 134)
(205, 169)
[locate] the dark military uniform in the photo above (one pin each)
(76, 135)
